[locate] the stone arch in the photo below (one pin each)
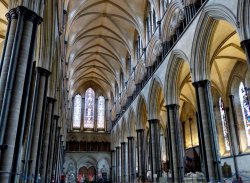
(131, 123)
(209, 16)
(141, 118)
(124, 130)
(84, 161)
(155, 97)
(236, 77)
(140, 72)
(176, 61)
(153, 51)
(171, 19)
(67, 163)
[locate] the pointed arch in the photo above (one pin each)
(124, 130)
(141, 113)
(89, 108)
(154, 49)
(131, 123)
(155, 98)
(210, 14)
(172, 10)
(176, 61)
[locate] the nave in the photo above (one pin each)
(124, 91)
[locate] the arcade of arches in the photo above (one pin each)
(124, 91)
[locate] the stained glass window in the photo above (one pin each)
(89, 108)
(77, 111)
(245, 110)
(224, 124)
(101, 110)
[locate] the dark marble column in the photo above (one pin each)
(246, 45)
(55, 130)
(131, 159)
(154, 146)
(37, 121)
(55, 153)
(124, 162)
(234, 127)
(141, 154)
(207, 131)
(118, 164)
(113, 166)
(18, 58)
(233, 141)
(175, 143)
(47, 135)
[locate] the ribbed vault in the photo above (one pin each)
(100, 36)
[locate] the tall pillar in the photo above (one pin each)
(37, 119)
(234, 129)
(18, 56)
(113, 164)
(154, 146)
(131, 160)
(246, 45)
(124, 162)
(118, 164)
(207, 129)
(141, 154)
(47, 135)
(52, 149)
(55, 153)
(175, 143)
(233, 142)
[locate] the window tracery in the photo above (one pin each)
(77, 111)
(101, 110)
(89, 108)
(245, 110)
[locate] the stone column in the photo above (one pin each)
(20, 144)
(175, 143)
(124, 162)
(37, 121)
(131, 160)
(113, 164)
(154, 146)
(246, 45)
(233, 142)
(141, 154)
(55, 153)
(47, 135)
(234, 129)
(52, 149)
(118, 163)
(207, 131)
(18, 57)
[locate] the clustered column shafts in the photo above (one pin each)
(175, 143)
(207, 130)
(15, 69)
(124, 164)
(155, 150)
(118, 164)
(51, 157)
(141, 154)
(47, 136)
(113, 164)
(131, 159)
(246, 45)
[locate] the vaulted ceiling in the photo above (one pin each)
(100, 36)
